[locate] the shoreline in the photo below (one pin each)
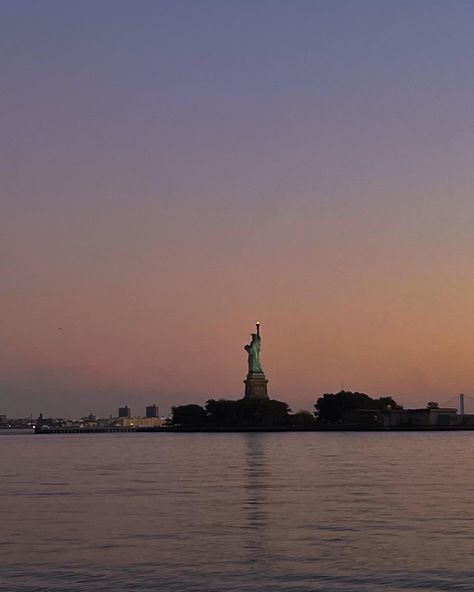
(228, 430)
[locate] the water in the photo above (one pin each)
(237, 512)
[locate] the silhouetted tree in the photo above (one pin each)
(222, 413)
(247, 413)
(188, 415)
(226, 413)
(386, 403)
(344, 404)
(302, 418)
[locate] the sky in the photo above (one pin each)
(171, 172)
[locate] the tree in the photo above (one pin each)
(247, 413)
(224, 413)
(343, 405)
(302, 418)
(189, 415)
(387, 403)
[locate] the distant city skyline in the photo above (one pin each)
(172, 172)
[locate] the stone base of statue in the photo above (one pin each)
(256, 386)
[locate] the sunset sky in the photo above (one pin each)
(171, 172)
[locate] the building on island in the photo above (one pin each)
(125, 411)
(152, 419)
(139, 422)
(152, 411)
(427, 417)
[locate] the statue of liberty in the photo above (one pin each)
(253, 350)
(256, 382)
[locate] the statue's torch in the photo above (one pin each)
(258, 328)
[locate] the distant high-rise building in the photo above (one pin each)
(125, 411)
(152, 411)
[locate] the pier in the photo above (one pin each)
(81, 430)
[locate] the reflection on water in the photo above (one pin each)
(256, 476)
(237, 512)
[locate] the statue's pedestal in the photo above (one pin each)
(256, 386)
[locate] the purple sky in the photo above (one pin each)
(171, 172)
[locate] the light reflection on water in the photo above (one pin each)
(237, 512)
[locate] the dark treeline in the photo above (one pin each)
(346, 406)
(233, 414)
(342, 407)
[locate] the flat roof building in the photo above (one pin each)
(152, 411)
(125, 411)
(426, 417)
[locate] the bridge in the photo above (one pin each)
(463, 403)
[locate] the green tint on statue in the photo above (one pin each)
(253, 350)
(256, 382)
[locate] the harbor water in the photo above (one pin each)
(237, 512)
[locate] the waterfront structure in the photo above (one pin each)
(427, 417)
(139, 422)
(125, 411)
(256, 381)
(80, 429)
